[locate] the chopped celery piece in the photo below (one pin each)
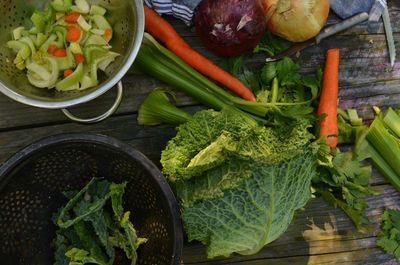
(384, 144)
(30, 44)
(392, 121)
(23, 49)
(353, 117)
(72, 79)
(83, 24)
(89, 50)
(61, 5)
(48, 83)
(96, 39)
(17, 32)
(39, 22)
(97, 10)
(83, 6)
(97, 31)
(60, 43)
(60, 15)
(45, 46)
(101, 22)
(93, 68)
(39, 70)
(110, 57)
(40, 39)
(87, 82)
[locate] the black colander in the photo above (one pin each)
(32, 180)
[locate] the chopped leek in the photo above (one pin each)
(82, 6)
(17, 32)
(39, 70)
(75, 48)
(43, 83)
(83, 24)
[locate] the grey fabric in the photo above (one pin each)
(348, 8)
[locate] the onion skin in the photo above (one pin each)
(296, 20)
(230, 27)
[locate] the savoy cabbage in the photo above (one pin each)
(238, 182)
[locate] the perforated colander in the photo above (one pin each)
(31, 183)
(127, 19)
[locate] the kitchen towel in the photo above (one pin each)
(185, 9)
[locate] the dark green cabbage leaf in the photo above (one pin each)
(237, 181)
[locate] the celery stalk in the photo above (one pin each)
(380, 163)
(385, 145)
(392, 121)
(157, 108)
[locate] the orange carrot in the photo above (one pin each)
(328, 99)
(60, 53)
(107, 33)
(73, 34)
(67, 72)
(79, 58)
(52, 48)
(160, 29)
(72, 18)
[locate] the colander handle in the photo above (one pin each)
(103, 116)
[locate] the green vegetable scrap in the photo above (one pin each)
(389, 236)
(238, 182)
(88, 232)
(342, 178)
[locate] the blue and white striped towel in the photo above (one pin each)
(185, 9)
(182, 9)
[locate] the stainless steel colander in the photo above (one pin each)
(127, 18)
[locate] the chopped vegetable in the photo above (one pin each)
(163, 31)
(66, 33)
(72, 18)
(73, 34)
(60, 53)
(52, 48)
(223, 164)
(88, 232)
(67, 72)
(389, 236)
(79, 58)
(328, 98)
(72, 79)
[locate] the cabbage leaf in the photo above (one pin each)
(237, 181)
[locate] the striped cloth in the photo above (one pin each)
(182, 9)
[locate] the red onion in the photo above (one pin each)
(230, 27)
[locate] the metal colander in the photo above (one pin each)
(31, 183)
(127, 19)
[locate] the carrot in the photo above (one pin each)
(107, 33)
(60, 53)
(73, 34)
(160, 29)
(72, 18)
(328, 99)
(79, 58)
(67, 72)
(52, 48)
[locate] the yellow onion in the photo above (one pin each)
(296, 20)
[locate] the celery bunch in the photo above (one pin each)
(383, 138)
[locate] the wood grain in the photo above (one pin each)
(319, 234)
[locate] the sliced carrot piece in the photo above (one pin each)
(52, 48)
(72, 18)
(60, 53)
(67, 72)
(107, 33)
(79, 58)
(73, 34)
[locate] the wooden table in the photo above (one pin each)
(319, 234)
